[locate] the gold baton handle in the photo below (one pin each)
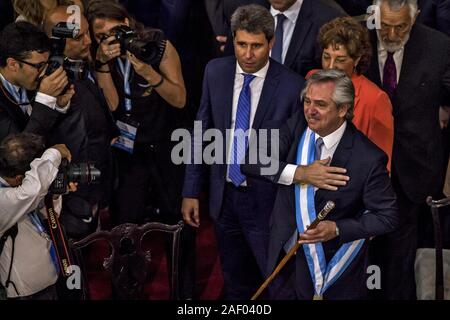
(322, 214)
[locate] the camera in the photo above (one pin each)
(75, 70)
(82, 173)
(129, 40)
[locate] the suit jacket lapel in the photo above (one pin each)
(412, 56)
(227, 85)
(301, 29)
(268, 90)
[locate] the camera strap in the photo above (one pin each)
(125, 69)
(18, 94)
(59, 238)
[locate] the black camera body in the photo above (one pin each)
(129, 40)
(82, 173)
(75, 70)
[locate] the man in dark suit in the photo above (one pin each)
(435, 14)
(241, 92)
(24, 51)
(356, 180)
(412, 64)
(295, 36)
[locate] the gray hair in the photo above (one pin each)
(344, 92)
(398, 4)
(254, 19)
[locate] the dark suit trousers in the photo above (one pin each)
(243, 241)
(395, 252)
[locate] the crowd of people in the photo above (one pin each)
(309, 103)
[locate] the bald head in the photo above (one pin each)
(78, 48)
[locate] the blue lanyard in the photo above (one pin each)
(19, 96)
(125, 69)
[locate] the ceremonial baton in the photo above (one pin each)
(322, 214)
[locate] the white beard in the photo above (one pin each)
(392, 47)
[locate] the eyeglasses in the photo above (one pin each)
(39, 66)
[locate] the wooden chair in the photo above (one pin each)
(435, 205)
(128, 263)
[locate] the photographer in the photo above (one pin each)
(146, 93)
(24, 52)
(27, 270)
(87, 128)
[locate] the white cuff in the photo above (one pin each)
(287, 176)
(64, 109)
(45, 99)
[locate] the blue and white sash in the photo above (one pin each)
(323, 275)
(125, 69)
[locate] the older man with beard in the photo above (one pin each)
(412, 64)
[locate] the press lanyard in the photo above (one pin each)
(19, 96)
(125, 69)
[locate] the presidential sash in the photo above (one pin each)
(323, 275)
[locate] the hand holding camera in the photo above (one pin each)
(54, 83)
(145, 70)
(108, 49)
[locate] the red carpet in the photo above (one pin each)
(209, 282)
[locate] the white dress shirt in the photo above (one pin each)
(382, 56)
(255, 93)
(330, 143)
(288, 25)
(32, 271)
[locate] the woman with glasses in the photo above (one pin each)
(344, 45)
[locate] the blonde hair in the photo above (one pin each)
(33, 11)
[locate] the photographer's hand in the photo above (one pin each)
(64, 99)
(65, 153)
(54, 84)
(107, 51)
(143, 69)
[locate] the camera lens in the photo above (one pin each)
(83, 173)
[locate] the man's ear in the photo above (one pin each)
(271, 42)
(12, 64)
(343, 110)
(127, 22)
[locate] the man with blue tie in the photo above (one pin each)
(242, 92)
(297, 25)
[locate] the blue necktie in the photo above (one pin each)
(241, 125)
(318, 152)
(277, 50)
